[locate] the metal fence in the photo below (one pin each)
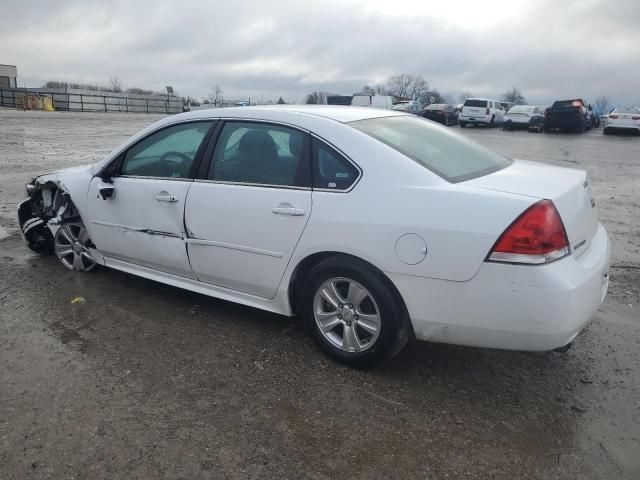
(88, 101)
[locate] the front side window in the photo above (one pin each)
(449, 155)
(264, 154)
(331, 170)
(168, 153)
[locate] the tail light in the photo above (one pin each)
(535, 237)
(613, 115)
(488, 111)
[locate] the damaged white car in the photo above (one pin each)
(373, 225)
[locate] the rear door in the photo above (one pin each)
(247, 212)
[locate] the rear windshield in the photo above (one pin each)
(566, 103)
(436, 106)
(475, 103)
(449, 155)
(521, 109)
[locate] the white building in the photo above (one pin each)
(8, 76)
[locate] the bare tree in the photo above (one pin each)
(408, 86)
(514, 96)
(316, 98)
(399, 85)
(366, 90)
(601, 104)
(281, 101)
(115, 85)
(381, 89)
(216, 95)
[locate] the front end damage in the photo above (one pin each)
(47, 207)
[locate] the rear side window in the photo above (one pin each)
(261, 154)
(331, 171)
(449, 155)
(475, 103)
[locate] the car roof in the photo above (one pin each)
(339, 113)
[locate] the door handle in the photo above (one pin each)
(286, 209)
(166, 198)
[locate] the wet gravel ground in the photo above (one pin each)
(144, 380)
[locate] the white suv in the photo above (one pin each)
(481, 111)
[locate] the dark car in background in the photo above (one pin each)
(573, 115)
(441, 112)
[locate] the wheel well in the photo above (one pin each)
(296, 283)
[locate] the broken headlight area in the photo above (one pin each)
(48, 205)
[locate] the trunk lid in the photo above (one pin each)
(569, 189)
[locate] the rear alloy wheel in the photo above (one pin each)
(346, 315)
(351, 311)
(71, 246)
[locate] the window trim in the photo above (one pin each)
(208, 161)
(343, 155)
(118, 159)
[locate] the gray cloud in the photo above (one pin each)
(251, 48)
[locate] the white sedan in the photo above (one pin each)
(623, 120)
(371, 224)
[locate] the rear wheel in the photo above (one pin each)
(463, 124)
(352, 313)
(71, 246)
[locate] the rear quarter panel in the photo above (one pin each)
(396, 196)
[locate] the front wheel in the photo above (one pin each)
(72, 246)
(351, 311)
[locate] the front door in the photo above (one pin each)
(143, 221)
(246, 217)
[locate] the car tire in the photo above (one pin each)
(580, 128)
(607, 131)
(326, 298)
(463, 124)
(72, 245)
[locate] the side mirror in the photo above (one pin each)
(107, 191)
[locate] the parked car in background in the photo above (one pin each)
(623, 119)
(410, 106)
(481, 111)
(507, 105)
(441, 113)
(339, 99)
(527, 117)
(415, 229)
(568, 115)
(376, 101)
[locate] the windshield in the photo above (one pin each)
(475, 103)
(567, 103)
(521, 109)
(436, 106)
(447, 154)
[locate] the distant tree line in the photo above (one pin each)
(114, 86)
(405, 86)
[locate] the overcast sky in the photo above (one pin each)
(548, 48)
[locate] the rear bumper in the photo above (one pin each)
(480, 119)
(564, 123)
(511, 307)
